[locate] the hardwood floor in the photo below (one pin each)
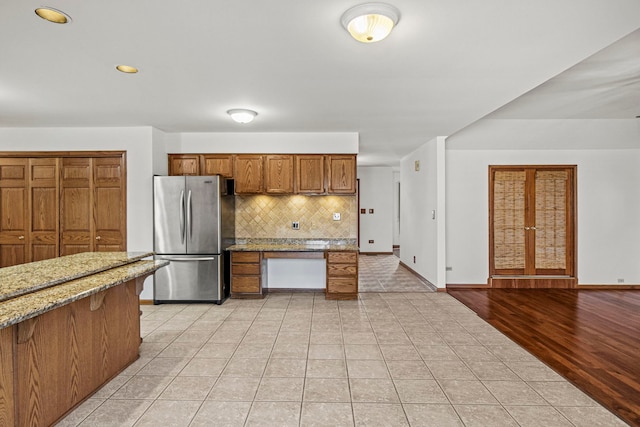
(591, 337)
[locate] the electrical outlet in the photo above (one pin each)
(295, 225)
(336, 216)
(620, 280)
(370, 241)
(414, 259)
(449, 268)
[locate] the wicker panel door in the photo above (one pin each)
(532, 221)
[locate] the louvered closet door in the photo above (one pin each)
(532, 221)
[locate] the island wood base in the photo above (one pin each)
(51, 363)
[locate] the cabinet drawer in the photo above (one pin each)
(342, 285)
(342, 257)
(237, 257)
(253, 269)
(341, 270)
(249, 284)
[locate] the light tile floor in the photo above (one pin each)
(387, 359)
(383, 273)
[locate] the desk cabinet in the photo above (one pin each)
(246, 275)
(342, 275)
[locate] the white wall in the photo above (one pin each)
(418, 198)
(396, 207)
(608, 223)
(376, 192)
(273, 142)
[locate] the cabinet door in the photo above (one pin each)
(279, 174)
(109, 204)
(248, 174)
(184, 164)
(76, 191)
(342, 174)
(45, 208)
(217, 164)
(310, 174)
(14, 211)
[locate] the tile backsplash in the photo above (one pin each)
(271, 216)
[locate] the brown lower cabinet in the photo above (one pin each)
(52, 362)
(342, 275)
(246, 275)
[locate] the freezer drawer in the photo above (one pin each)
(189, 278)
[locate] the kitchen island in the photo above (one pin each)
(67, 326)
(250, 259)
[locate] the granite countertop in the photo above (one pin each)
(26, 278)
(294, 245)
(30, 305)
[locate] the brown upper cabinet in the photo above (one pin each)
(217, 164)
(249, 177)
(278, 174)
(184, 164)
(274, 173)
(310, 174)
(342, 174)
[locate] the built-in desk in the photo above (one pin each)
(67, 326)
(249, 269)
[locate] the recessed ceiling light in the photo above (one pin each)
(370, 22)
(127, 69)
(241, 115)
(53, 15)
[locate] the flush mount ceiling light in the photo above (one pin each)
(128, 69)
(241, 115)
(370, 22)
(53, 15)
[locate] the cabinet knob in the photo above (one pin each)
(98, 237)
(20, 237)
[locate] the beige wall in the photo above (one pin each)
(271, 217)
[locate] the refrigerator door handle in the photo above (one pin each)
(189, 218)
(182, 228)
(190, 259)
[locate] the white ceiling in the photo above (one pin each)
(446, 65)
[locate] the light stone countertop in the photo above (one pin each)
(30, 305)
(26, 278)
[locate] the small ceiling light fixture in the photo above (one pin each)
(241, 115)
(370, 22)
(53, 15)
(128, 69)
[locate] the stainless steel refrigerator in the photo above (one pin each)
(193, 225)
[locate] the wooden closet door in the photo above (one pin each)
(109, 210)
(44, 208)
(532, 225)
(76, 201)
(14, 211)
